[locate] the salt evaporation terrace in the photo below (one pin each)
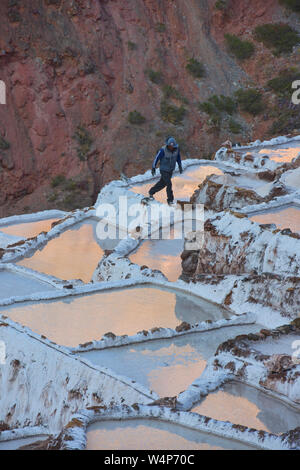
(167, 366)
(72, 255)
(78, 319)
(241, 404)
(183, 186)
(127, 337)
(288, 217)
(147, 435)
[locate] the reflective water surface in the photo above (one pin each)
(75, 320)
(167, 366)
(282, 218)
(241, 404)
(153, 435)
(28, 229)
(72, 255)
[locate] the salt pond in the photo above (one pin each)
(245, 405)
(80, 319)
(144, 434)
(288, 217)
(72, 255)
(167, 366)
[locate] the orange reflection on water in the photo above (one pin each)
(281, 154)
(151, 253)
(174, 378)
(28, 229)
(82, 319)
(284, 218)
(143, 437)
(226, 407)
(73, 255)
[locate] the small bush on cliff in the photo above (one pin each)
(170, 92)
(282, 84)
(250, 100)
(221, 4)
(234, 127)
(160, 27)
(155, 76)
(131, 46)
(195, 68)
(85, 142)
(281, 38)
(291, 4)
(58, 180)
(217, 105)
(135, 117)
(4, 145)
(288, 120)
(241, 49)
(171, 113)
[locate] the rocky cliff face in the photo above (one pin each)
(74, 70)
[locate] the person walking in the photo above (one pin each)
(167, 156)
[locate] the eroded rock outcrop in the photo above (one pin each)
(235, 245)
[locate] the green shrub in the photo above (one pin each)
(241, 49)
(58, 180)
(4, 145)
(160, 27)
(131, 46)
(221, 4)
(281, 38)
(217, 105)
(195, 68)
(170, 92)
(250, 100)
(171, 113)
(234, 127)
(135, 117)
(291, 4)
(223, 103)
(288, 120)
(84, 140)
(282, 84)
(155, 76)
(70, 185)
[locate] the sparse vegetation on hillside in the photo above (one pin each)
(250, 100)
(155, 76)
(241, 49)
(171, 113)
(84, 140)
(220, 109)
(281, 38)
(282, 84)
(234, 127)
(288, 120)
(135, 117)
(170, 92)
(57, 180)
(291, 4)
(221, 4)
(4, 145)
(195, 68)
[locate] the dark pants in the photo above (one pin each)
(165, 181)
